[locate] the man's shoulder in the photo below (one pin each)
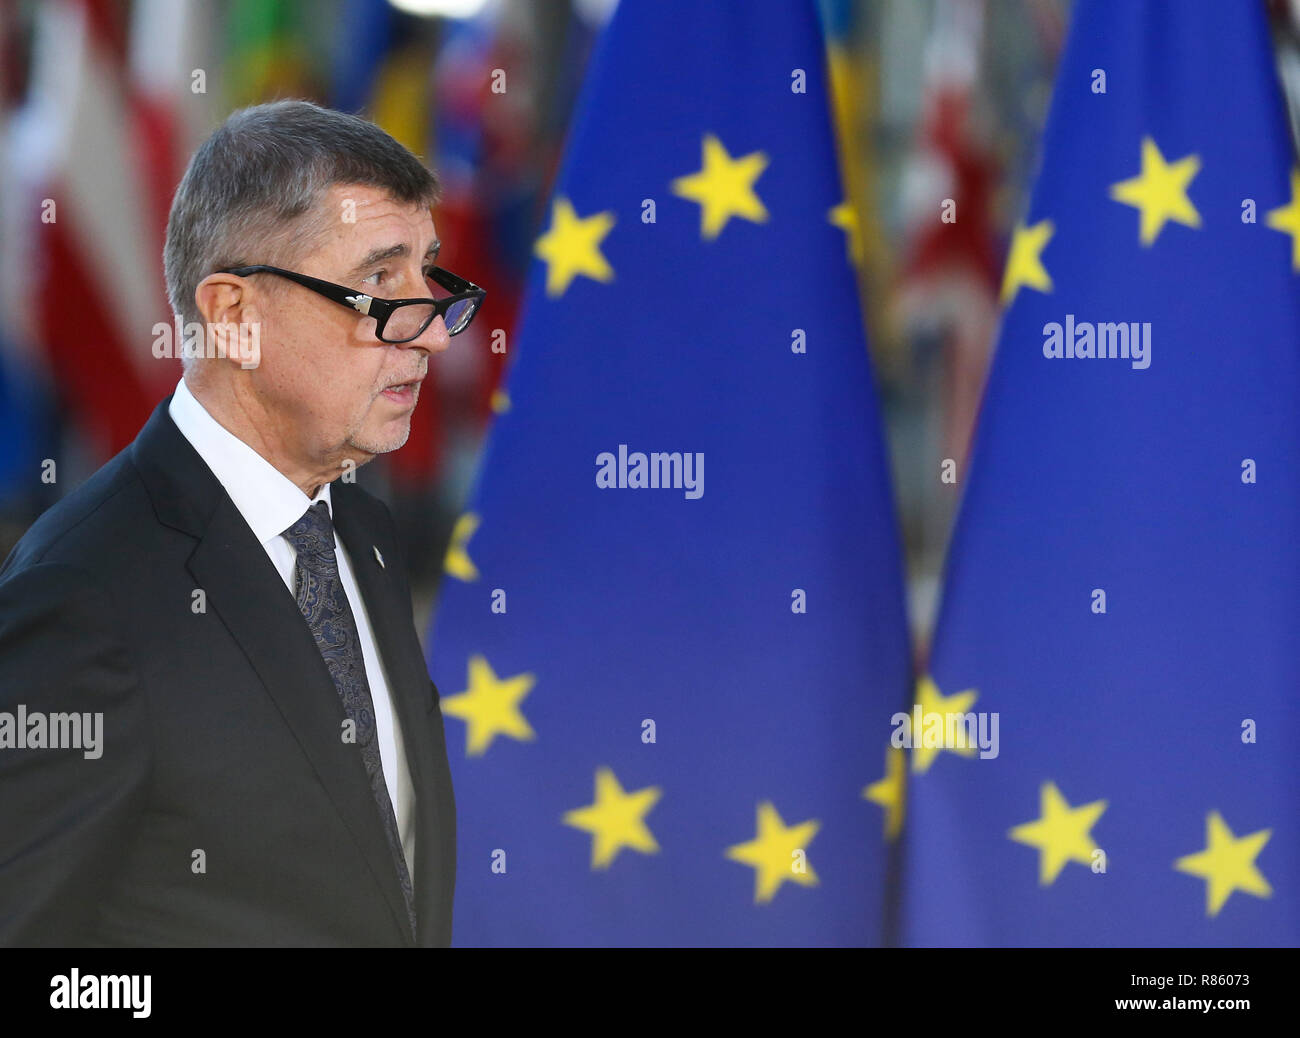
(92, 525)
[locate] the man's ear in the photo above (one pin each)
(231, 318)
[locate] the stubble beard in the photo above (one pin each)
(373, 447)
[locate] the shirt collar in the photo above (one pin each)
(268, 500)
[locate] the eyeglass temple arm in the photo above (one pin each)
(452, 282)
(371, 306)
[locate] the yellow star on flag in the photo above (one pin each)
(616, 820)
(777, 853)
(724, 187)
(500, 401)
(1159, 192)
(845, 217)
(890, 792)
(457, 561)
(1227, 863)
(490, 707)
(1287, 219)
(1062, 833)
(1025, 260)
(932, 701)
(572, 247)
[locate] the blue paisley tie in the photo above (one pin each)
(325, 606)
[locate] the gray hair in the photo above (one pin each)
(249, 186)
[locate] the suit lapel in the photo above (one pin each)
(244, 589)
(362, 528)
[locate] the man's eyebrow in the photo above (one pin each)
(386, 252)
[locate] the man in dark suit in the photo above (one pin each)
(216, 725)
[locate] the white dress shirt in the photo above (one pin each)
(270, 503)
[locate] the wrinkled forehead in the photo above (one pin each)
(362, 226)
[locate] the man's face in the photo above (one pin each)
(339, 392)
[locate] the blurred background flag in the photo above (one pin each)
(667, 705)
(92, 150)
(1124, 585)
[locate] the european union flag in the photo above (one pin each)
(1123, 589)
(673, 619)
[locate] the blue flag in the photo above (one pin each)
(1115, 666)
(24, 414)
(673, 620)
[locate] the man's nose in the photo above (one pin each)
(434, 338)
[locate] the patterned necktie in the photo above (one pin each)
(325, 606)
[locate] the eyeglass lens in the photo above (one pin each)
(409, 321)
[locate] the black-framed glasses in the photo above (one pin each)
(396, 320)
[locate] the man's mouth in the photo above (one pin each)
(404, 392)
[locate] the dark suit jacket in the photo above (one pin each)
(221, 728)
